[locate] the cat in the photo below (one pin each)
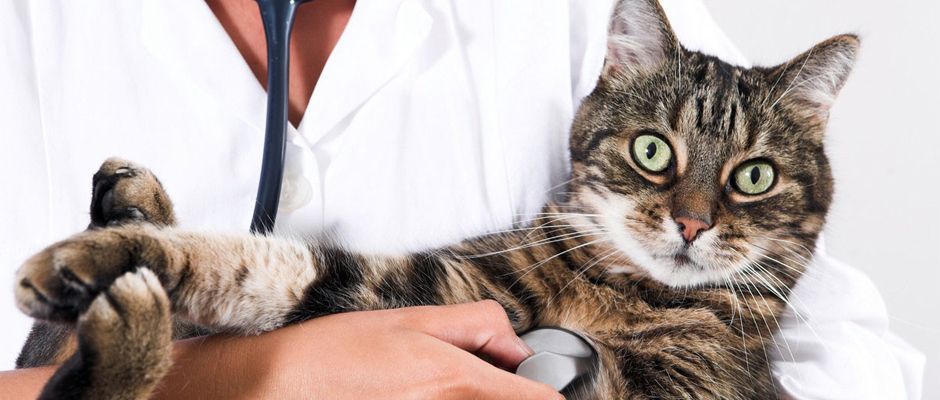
(697, 192)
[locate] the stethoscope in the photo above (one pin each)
(278, 19)
(562, 359)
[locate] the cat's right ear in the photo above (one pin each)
(639, 39)
(812, 80)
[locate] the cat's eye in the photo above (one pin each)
(754, 177)
(652, 153)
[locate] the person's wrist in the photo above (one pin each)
(213, 367)
(279, 361)
(251, 364)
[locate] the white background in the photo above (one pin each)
(884, 142)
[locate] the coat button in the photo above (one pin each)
(296, 192)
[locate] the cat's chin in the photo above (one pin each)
(675, 268)
(683, 271)
(680, 270)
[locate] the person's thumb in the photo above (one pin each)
(481, 328)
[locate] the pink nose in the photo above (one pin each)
(691, 227)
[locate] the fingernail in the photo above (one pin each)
(524, 347)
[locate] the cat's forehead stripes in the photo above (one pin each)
(719, 96)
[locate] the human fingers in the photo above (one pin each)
(481, 381)
(481, 328)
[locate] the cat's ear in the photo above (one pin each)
(639, 38)
(812, 80)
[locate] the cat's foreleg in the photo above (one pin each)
(251, 284)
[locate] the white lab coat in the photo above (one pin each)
(432, 121)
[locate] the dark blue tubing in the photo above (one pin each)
(278, 19)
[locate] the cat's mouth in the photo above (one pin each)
(682, 258)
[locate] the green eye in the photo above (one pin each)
(652, 153)
(754, 177)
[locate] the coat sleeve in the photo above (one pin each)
(24, 204)
(834, 341)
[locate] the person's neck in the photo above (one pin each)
(317, 29)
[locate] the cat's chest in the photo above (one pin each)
(615, 301)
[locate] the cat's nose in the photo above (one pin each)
(691, 227)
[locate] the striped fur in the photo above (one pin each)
(672, 318)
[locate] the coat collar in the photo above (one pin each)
(380, 37)
(190, 44)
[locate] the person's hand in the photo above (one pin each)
(409, 353)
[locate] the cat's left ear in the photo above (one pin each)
(812, 80)
(639, 39)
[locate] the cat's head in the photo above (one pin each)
(698, 170)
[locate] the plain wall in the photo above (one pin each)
(884, 143)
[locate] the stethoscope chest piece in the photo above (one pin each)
(563, 359)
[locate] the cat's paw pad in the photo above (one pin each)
(62, 280)
(124, 192)
(131, 318)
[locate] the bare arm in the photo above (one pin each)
(423, 352)
(203, 368)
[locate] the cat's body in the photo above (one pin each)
(698, 190)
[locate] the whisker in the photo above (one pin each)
(603, 256)
(785, 91)
(533, 267)
(549, 240)
(756, 328)
(788, 300)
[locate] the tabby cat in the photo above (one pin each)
(697, 192)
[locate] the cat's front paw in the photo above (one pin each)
(61, 281)
(124, 192)
(124, 343)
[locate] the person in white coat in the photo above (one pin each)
(429, 122)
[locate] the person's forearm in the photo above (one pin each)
(24, 383)
(415, 353)
(207, 367)
(203, 368)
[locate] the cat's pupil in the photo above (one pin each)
(650, 150)
(755, 175)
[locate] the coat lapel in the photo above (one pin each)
(381, 36)
(191, 45)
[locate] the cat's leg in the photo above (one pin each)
(124, 343)
(122, 193)
(251, 284)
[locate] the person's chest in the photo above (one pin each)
(430, 121)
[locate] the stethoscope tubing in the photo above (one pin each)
(278, 19)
